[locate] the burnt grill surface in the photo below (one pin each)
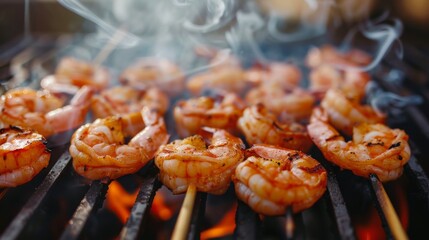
(31, 209)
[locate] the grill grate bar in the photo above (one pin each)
(95, 194)
(21, 220)
(390, 221)
(247, 223)
(416, 172)
(142, 206)
(342, 217)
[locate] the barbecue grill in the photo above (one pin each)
(58, 203)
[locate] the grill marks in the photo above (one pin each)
(316, 169)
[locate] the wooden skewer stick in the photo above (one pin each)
(386, 206)
(109, 47)
(182, 224)
(290, 224)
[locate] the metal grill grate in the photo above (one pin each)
(248, 224)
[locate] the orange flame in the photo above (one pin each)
(372, 228)
(120, 202)
(225, 226)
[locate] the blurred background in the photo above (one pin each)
(19, 17)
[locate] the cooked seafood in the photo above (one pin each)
(219, 59)
(351, 82)
(121, 100)
(223, 79)
(98, 148)
(329, 55)
(190, 161)
(24, 155)
(288, 105)
(375, 148)
(154, 72)
(274, 178)
(72, 74)
(42, 111)
(344, 114)
(260, 126)
(221, 112)
(287, 76)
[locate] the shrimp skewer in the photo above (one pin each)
(260, 126)
(344, 114)
(24, 155)
(154, 72)
(72, 74)
(287, 76)
(294, 105)
(221, 111)
(124, 100)
(42, 111)
(374, 149)
(190, 161)
(98, 149)
(271, 179)
(331, 69)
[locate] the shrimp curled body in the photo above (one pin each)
(375, 148)
(260, 126)
(98, 149)
(72, 74)
(42, 111)
(121, 100)
(274, 178)
(344, 114)
(23, 154)
(190, 161)
(195, 113)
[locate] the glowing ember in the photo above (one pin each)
(225, 226)
(120, 202)
(372, 228)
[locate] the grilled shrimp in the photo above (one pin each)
(329, 55)
(260, 126)
(286, 75)
(374, 148)
(223, 79)
(221, 112)
(274, 178)
(98, 148)
(72, 74)
(24, 155)
(344, 114)
(121, 100)
(219, 59)
(351, 82)
(190, 161)
(294, 105)
(153, 72)
(42, 111)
